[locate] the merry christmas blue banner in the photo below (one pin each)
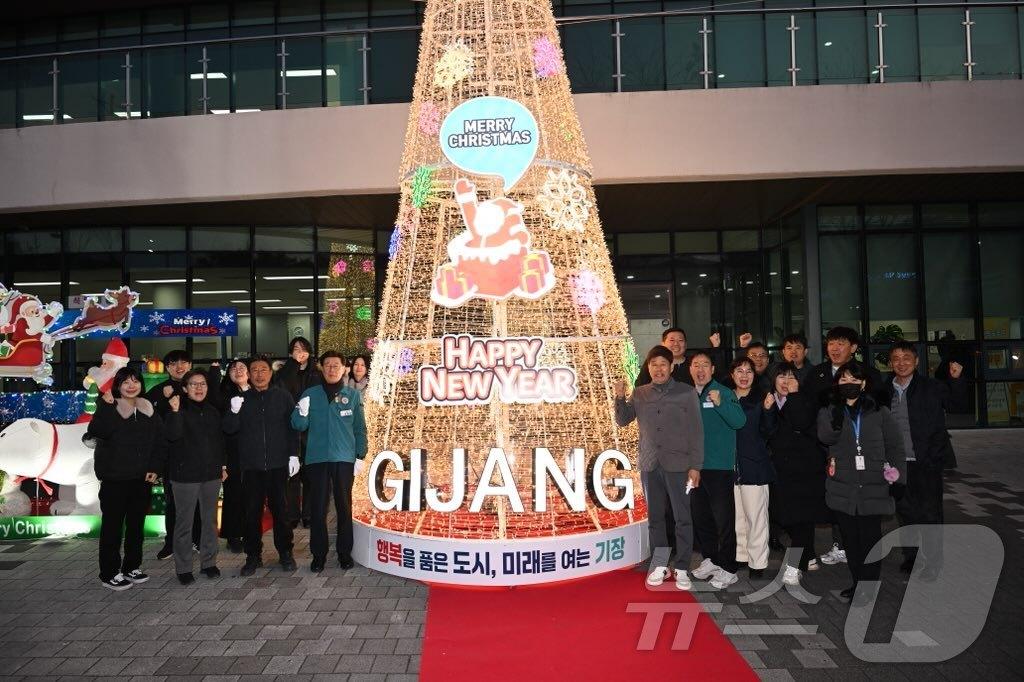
(169, 322)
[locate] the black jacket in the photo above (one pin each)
(225, 392)
(861, 492)
(295, 380)
(196, 439)
(799, 493)
(129, 443)
(156, 396)
(753, 460)
(927, 402)
(819, 383)
(265, 436)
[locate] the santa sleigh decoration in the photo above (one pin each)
(117, 314)
(26, 341)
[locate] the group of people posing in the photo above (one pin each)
(286, 440)
(730, 459)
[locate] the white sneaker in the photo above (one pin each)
(792, 576)
(813, 565)
(723, 579)
(137, 576)
(657, 576)
(683, 580)
(834, 556)
(706, 569)
(117, 583)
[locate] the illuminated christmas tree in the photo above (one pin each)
(489, 249)
(348, 319)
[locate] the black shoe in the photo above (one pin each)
(345, 563)
(211, 572)
(305, 523)
(235, 545)
(186, 578)
(166, 552)
(776, 545)
(251, 564)
(908, 565)
(317, 566)
(848, 593)
(756, 573)
(287, 562)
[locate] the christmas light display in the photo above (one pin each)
(347, 317)
(497, 240)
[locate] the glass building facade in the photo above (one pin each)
(176, 60)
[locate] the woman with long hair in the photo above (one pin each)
(359, 375)
(865, 457)
(232, 515)
(128, 437)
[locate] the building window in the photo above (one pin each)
(892, 288)
(1002, 282)
(840, 282)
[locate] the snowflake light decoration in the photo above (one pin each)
(367, 265)
(332, 307)
(396, 242)
(546, 60)
(429, 119)
(339, 268)
(588, 290)
(226, 318)
(422, 186)
(455, 64)
(554, 354)
(383, 375)
(630, 362)
(156, 318)
(564, 201)
(403, 362)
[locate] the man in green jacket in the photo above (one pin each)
(333, 416)
(713, 504)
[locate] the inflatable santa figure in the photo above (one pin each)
(114, 358)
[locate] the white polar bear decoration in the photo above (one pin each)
(55, 453)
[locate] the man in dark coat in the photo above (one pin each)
(918, 404)
(841, 345)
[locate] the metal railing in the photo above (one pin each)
(797, 19)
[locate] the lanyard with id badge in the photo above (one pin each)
(859, 459)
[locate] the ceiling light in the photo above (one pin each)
(167, 281)
(300, 73)
(213, 75)
(283, 277)
(259, 300)
(307, 291)
(221, 291)
(629, 277)
(40, 284)
(284, 307)
(796, 272)
(703, 274)
(828, 44)
(121, 114)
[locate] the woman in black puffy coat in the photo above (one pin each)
(128, 436)
(798, 498)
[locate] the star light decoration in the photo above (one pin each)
(332, 307)
(564, 201)
(339, 267)
(455, 64)
(588, 290)
(546, 59)
(429, 118)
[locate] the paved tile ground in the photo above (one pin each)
(57, 622)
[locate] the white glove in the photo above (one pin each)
(236, 404)
(360, 465)
(293, 466)
(304, 407)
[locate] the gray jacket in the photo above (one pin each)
(866, 492)
(671, 429)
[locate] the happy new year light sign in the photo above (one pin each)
(473, 370)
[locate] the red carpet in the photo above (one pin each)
(579, 630)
